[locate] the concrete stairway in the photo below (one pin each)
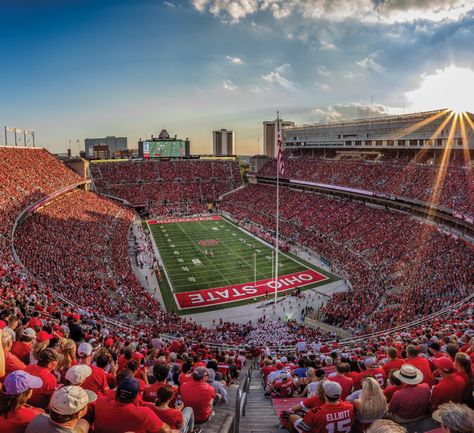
(260, 416)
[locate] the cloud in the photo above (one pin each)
(235, 60)
(169, 4)
(325, 45)
(276, 77)
(324, 71)
(229, 85)
(386, 11)
(370, 63)
(323, 86)
(338, 112)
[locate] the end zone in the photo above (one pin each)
(239, 292)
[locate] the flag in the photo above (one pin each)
(280, 163)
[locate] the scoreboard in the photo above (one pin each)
(165, 149)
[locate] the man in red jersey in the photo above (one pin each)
(449, 388)
(97, 380)
(394, 362)
(372, 370)
(347, 384)
(199, 395)
(334, 416)
(122, 415)
(161, 375)
(422, 364)
(47, 362)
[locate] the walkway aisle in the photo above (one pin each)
(260, 414)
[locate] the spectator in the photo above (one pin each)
(422, 364)
(455, 418)
(96, 381)
(15, 413)
(411, 401)
(122, 415)
(340, 377)
(47, 362)
(371, 405)
(12, 362)
(67, 407)
(449, 388)
(181, 417)
(24, 344)
(322, 418)
(199, 395)
(386, 426)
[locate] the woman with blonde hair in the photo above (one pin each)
(371, 405)
(67, 350)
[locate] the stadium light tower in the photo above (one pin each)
(19, 131)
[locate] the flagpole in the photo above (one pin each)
(277, 210)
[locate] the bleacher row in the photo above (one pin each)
(376, 249)
(168, 187)
(412, 179)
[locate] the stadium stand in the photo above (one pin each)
(412, 179)
(167, 187)
(104, 334)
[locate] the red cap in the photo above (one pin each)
(76, 316)
(43, 336)
(137, 356)
(109, 342)
(2, 324)
(444, 363)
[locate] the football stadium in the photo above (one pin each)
(320, 282)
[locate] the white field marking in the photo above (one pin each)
(185, 268)
(207, 258)
(271, 247)
(172, 246)
(192, 279)
(166, 235)
(176, 253)
(180, 260)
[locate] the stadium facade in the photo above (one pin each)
(410, 131)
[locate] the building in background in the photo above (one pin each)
(223, 142)
(269, 136)
(115, 145)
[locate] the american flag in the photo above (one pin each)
(280, 163)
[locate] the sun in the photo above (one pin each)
(451, 87)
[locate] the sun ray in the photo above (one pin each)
(443, 167)
(420, 124)
(465, 143)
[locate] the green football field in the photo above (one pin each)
(211, 263)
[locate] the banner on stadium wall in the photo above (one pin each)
(239, 292)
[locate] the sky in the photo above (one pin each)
(73, 69)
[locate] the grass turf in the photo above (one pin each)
(188, 267)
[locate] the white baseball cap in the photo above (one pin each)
(29, 332)
(78, 374)
(69, 400)
(84, 349)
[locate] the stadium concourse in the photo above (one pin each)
(74, 318)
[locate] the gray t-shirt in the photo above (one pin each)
(43, 424)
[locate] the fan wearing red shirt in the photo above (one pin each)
(186, 375)
(420, 363)
(23, 346)
(464, 373)
(372, 370)
(47, 362)
(282, 386)
(332, 417)
(347, 384)
(394, 363)
(17, 389)
(97, 380)
(12, 363)
(161, 374)
(122, 415)
(199, 395)
(449, 388)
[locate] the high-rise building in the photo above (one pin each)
(114, 145)
(269, 136)
(223, 143)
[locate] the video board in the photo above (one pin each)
(164, 149)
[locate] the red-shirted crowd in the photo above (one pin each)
(168, 187)
(389, 173)
(67, 367)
